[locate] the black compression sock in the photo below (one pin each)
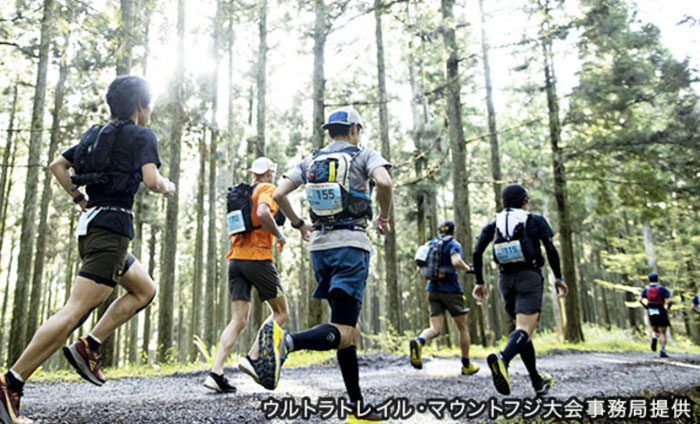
(516, 341)
(13, 382)
(347, 359)
(527, 354)
(321, 337)
(93, 343)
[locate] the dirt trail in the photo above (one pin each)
(181, 398)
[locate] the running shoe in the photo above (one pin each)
(653, 344)
(369, 414)
(85, 361)
(547, 383)
(471, 369)
(273, 352)
(250, 367)
(415, 349)
(499, 372)
(9, 412)
(663, 354)
(219, 383)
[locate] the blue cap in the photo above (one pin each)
(653, 277)
(343, 116)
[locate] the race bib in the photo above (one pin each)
(509, 252)
(236, 224)
(84, 220)
(654, 311)
(422, 253)
(325, 199)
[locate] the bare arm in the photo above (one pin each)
(384, 191)
(285, 187)
(457, 262)
(60, 168)
(267, 220)
(156, 182)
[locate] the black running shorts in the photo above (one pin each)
(244, 274)
(658, 317)
(104, 256)
(452, 302)
(522, 291)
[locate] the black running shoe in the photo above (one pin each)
(415, 354)
(366, 414)
(653, 344)
(663, 354)
(499, 372)
(219, 383)
(547, 383)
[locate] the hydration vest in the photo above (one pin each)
(654, 296)
(93, 157)
(239, 209)
(331, 199)
(428, 257)
(513, 247)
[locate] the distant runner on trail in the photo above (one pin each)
(656, 295)
(517, 235)
(338, 188)
(441, 257)
(252, 227)
(696, 304)
(111, 160)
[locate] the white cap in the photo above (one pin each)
(261, 165)
(344, 116)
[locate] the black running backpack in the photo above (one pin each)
(239, 207)
(93, 157)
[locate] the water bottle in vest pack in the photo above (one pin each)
(93, 155)
(428, 257)
(239, 205)
(512, 244)
(328, 191)
(653, 296)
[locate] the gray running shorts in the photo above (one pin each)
(522, 291)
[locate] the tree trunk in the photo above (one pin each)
(460, 182)
(212, 235)
(649, 246)
(319, 82)
(573, 332)
(40, 252)
(260, 79)
(145, 347)
(393, 304)
(5, 298)
(198, 253)
(165, 309)
(4, 185)
(126, 38)
(493, 130)
(18, 328)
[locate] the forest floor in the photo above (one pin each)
(181, 398)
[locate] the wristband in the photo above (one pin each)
(299, 224)
(79, 198)
(559, 280)
(280, 235)
(480, 283)
(381, 221)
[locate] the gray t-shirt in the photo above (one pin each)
(361, 170)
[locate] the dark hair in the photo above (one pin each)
(513, 196)
(125, 94)
(653, 277)
(338, 130)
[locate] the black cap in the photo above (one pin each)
(513, 196)
(447, 228)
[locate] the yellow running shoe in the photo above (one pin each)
(415, 354)
(471, 369)
(499, 372)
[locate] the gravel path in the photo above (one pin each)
(181, 398)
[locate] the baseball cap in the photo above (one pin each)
(343, 116)
(261, 165)
(653, 277)
(447, 227)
